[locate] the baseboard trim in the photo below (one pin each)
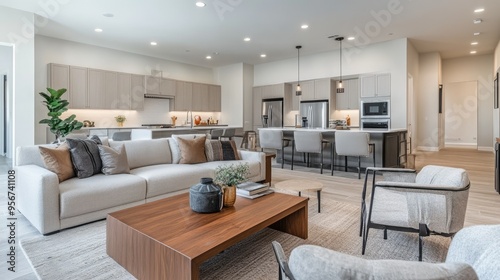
(428, 149)
(486, 149)
(461, 145)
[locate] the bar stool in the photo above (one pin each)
(216, 133)
(310, 142)
(228, 133)
(273, 139)
(352, 143)
(249, 140)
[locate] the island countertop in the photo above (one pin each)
(333, 129)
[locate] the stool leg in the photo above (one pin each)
(345, 163)
(300, 193)
(293, 152)
(319, 201)
(322, 159)
(359, 167)
(282, 155)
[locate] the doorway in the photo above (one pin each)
(460, 112)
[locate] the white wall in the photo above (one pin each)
(387, 57)
(427, 102)
(50, 50)
(476, 69)
(231, 79)
(17, 30)
(247, 96)
(413, 72)
(6, 68)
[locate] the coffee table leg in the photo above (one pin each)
(300, 194)
(319, 201)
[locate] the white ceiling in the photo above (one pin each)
(187, 33)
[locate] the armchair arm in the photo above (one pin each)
(414, 186)
(38, 197)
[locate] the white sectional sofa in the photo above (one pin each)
(51, 206)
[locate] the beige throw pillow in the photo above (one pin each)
(114, 161)
(58, 160)
(192, 150)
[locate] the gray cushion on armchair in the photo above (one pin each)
(313, 262)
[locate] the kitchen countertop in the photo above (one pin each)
(333, 129)
(169, 128)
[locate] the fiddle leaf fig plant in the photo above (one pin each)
(56, 107)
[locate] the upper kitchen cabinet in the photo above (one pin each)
(152, 84)
(78, 87)
(307, 88)
(322, 89)
(58, 76)
(349, 99)
(273, 91)
(137, 91)
(167, 87)
(183, 96)
(200, 98)
(214, 98)
(376, 85)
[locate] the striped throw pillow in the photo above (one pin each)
(85, 156)
(216, 150)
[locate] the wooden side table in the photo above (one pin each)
(300, 186)
(269, 159)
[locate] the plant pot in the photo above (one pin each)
(229, 196)
(120, 124)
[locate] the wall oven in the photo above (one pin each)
(376, 124)
(375, 109)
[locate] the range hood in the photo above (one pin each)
(158, 96)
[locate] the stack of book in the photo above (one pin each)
(252, 190)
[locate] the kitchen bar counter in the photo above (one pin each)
(153, 133)
(390, 147)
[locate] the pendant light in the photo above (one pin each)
(298, 90)
(340, 87)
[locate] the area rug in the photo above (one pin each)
(80, 253)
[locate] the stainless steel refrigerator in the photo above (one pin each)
(272, 112)
(315, 113)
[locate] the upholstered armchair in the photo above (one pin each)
(430, 202)
(474, 253)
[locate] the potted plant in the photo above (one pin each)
(120, 119)
(56, 107)
(228, 177)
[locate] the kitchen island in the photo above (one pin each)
(153, 133)
(390, 148)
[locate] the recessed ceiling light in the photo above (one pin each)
(477, 21)
(480, 10)
(98, 30)
(477, 33)
(247, 39)
(208, 57)
(153, 43)
(304, 26)
(108, 15)
(474, 43)
(473, 52)
(200, 4)
(263, 55)
(350, 38)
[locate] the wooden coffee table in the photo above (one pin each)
(165, 239)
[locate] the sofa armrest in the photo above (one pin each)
(38, 197)
(313, 262)
(255, 156)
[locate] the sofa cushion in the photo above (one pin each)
(442, 176)
(85, 156)
(192, 150)
(221, 150)
(145, 152)
(314, 262)
(174, 146)
(166, 178)
(58, 160)
(114, 161)
(99, 192)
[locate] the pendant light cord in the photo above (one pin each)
(341, 60)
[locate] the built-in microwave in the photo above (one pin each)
(375, 109)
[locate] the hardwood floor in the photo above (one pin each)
(483, 205)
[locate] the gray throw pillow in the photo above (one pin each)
(114, 161)
(85, 156)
